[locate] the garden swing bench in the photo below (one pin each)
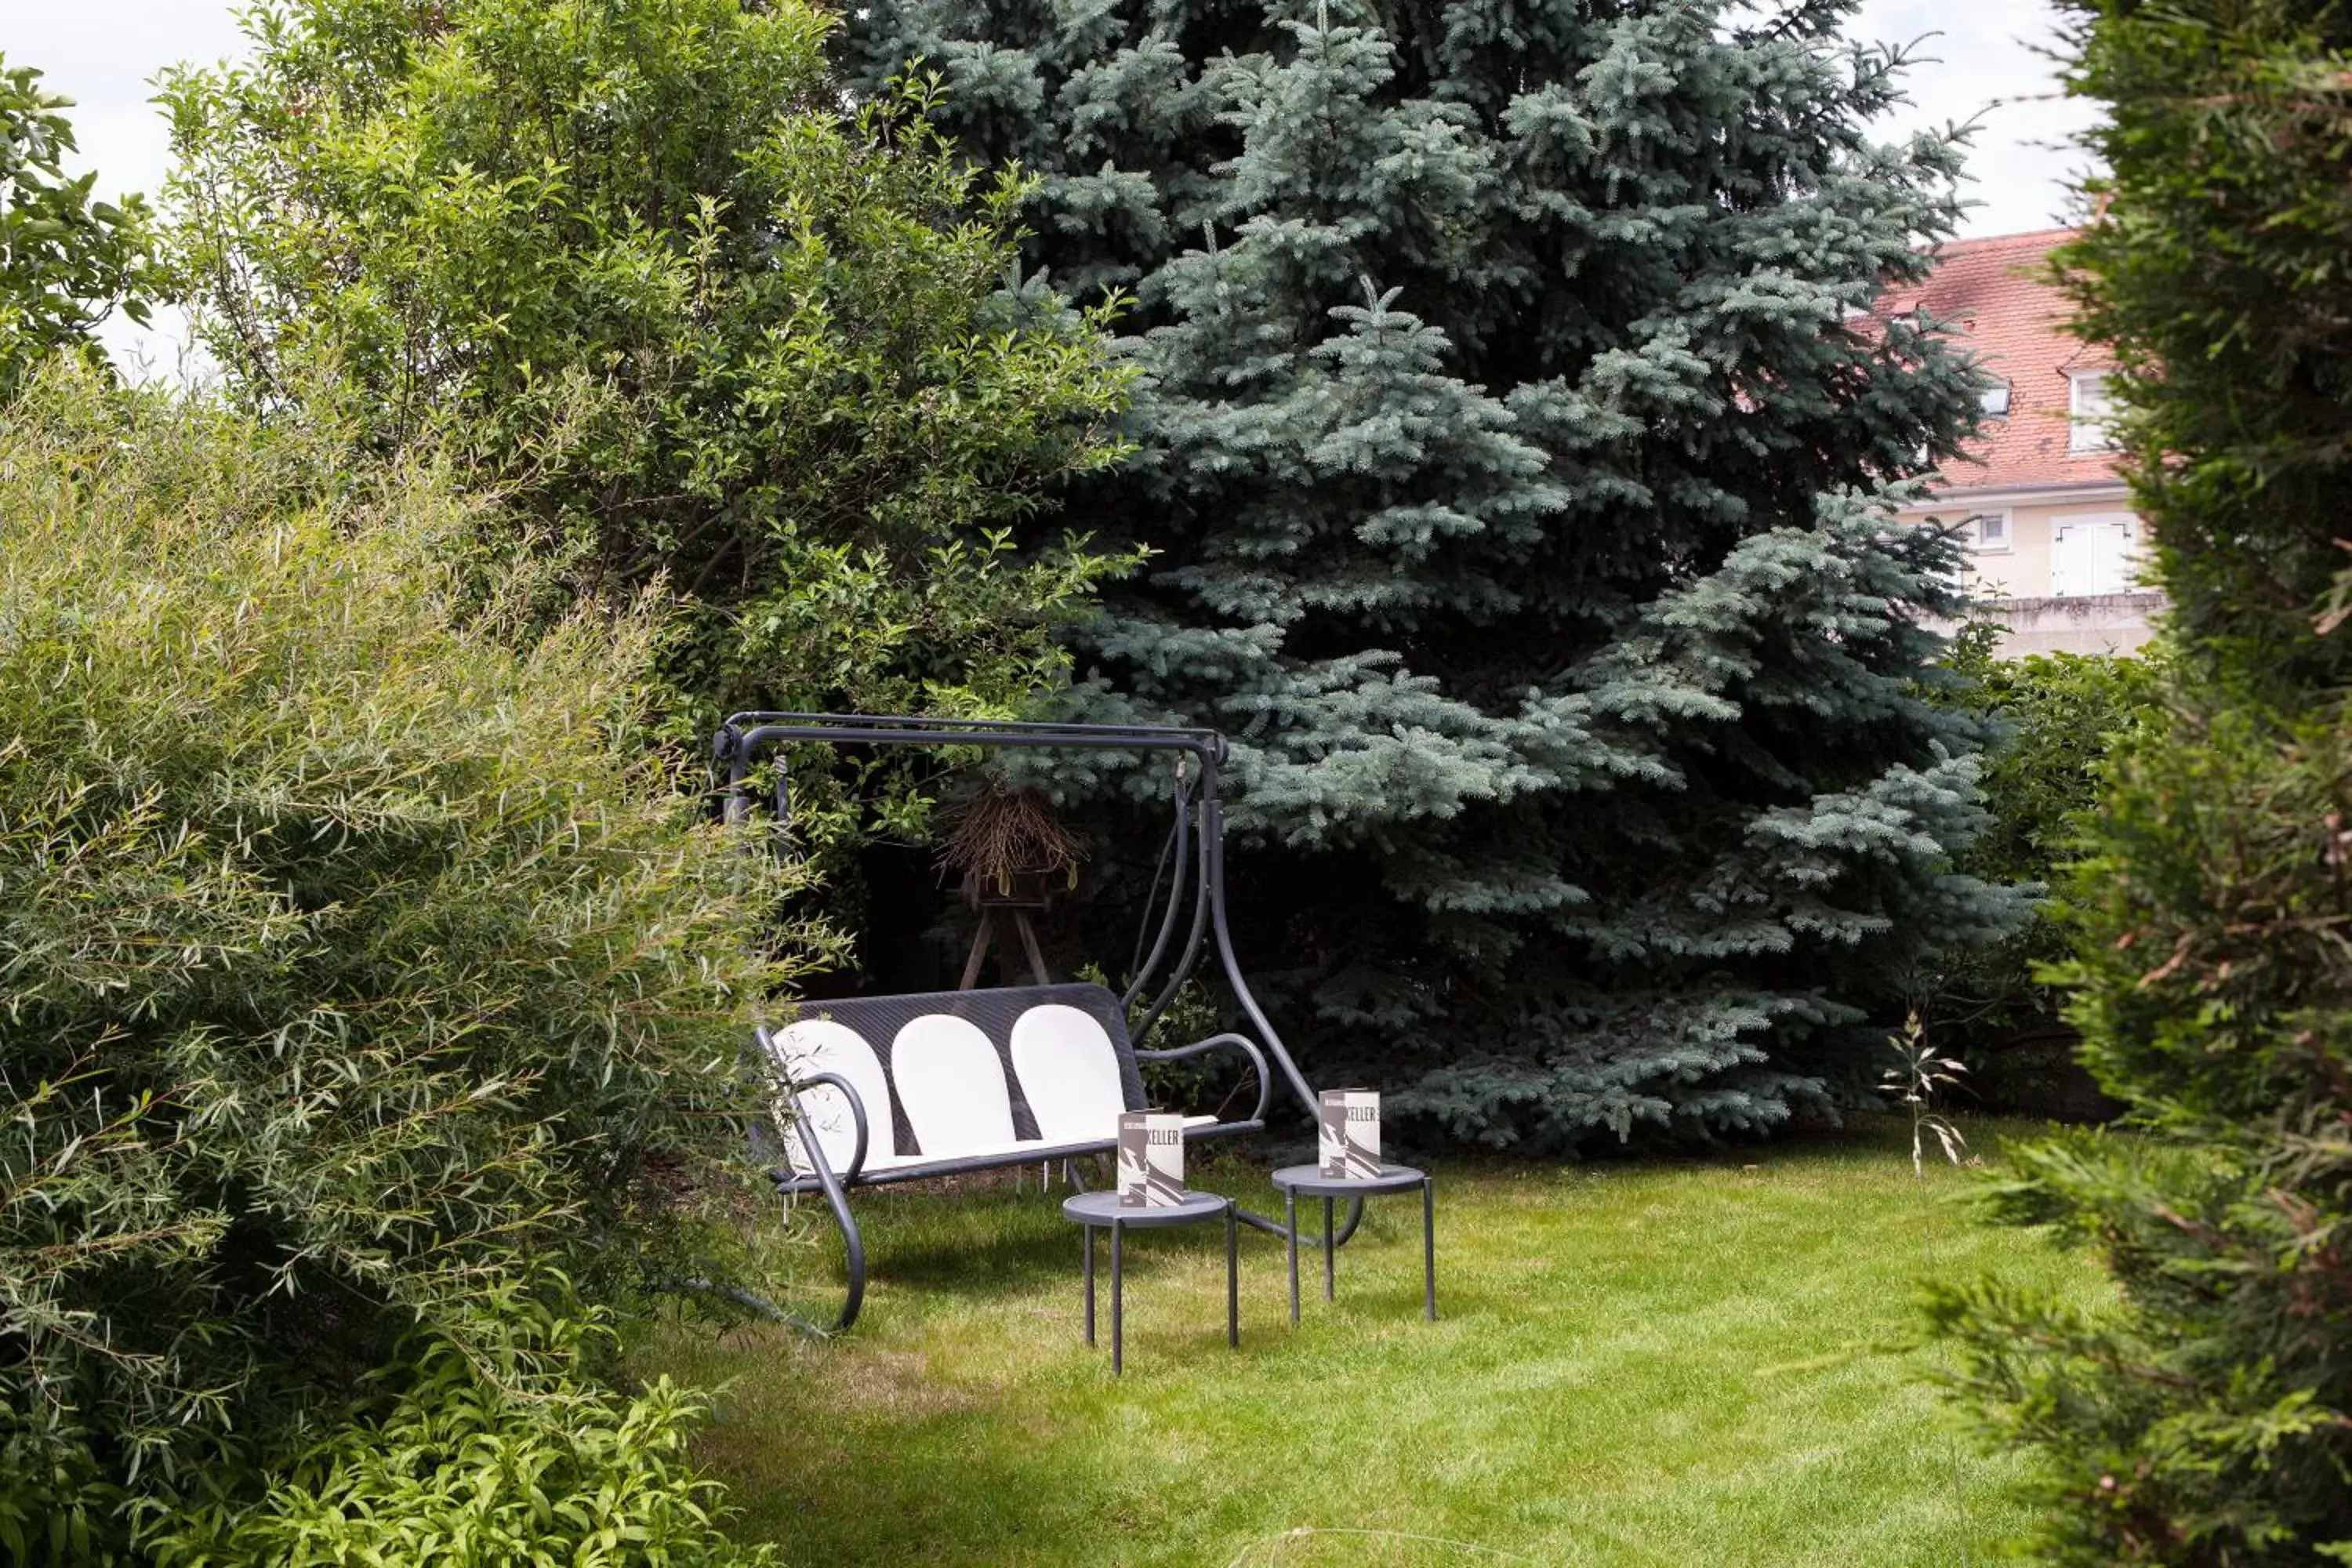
(878, 1089)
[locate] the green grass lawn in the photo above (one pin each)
(1703, 1362)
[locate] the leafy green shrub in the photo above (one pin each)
(2059, 716)
(68, 260)
(637, 261)
(354, 962)
(451, 1467)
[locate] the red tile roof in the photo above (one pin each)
(1994, 295)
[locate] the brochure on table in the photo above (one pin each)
(1348, 1133)
(1150, 1159)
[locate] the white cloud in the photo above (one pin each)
(105, 55)
(1983, 58)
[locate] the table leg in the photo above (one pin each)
(1429, 1243)
(1089, 1232)
(1233, 1284)
(1329, 1231)
(1291, 1196)
(1117, 1304)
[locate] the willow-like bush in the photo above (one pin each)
(355, 963)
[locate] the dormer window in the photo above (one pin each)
(2091, 412)
(1995, 400)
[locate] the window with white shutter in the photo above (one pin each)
(2093, 556)
(2092, 412)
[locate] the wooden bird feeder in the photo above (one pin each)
(1011, 854)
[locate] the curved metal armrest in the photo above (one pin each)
(856, 1115)
(830, 1080)
(1242, 1043)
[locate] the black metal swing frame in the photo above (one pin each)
(1197, 858)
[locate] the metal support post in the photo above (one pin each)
(1428, 1244)
(1232, 1282)
(1290, 1233)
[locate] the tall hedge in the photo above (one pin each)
(357, 968)
(2207, 1417)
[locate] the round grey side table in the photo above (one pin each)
(1310, 1180)
(1103, 1211)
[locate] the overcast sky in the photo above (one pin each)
(105, 55)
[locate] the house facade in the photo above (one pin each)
(2053, 543)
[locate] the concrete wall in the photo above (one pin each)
(2094, 623)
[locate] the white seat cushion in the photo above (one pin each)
(820, 1045)
(1069, 1074)
(951, 1086)
(1013, 1151)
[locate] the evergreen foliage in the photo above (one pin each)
(356, 968)
(635, 260)
(2207, 1418)
(1518, 484)
(68, 260)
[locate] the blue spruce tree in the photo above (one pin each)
(1517, 478)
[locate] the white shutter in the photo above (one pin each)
(2092, 555)
(2070, 563)
(2109, 565)
(2126, 555)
